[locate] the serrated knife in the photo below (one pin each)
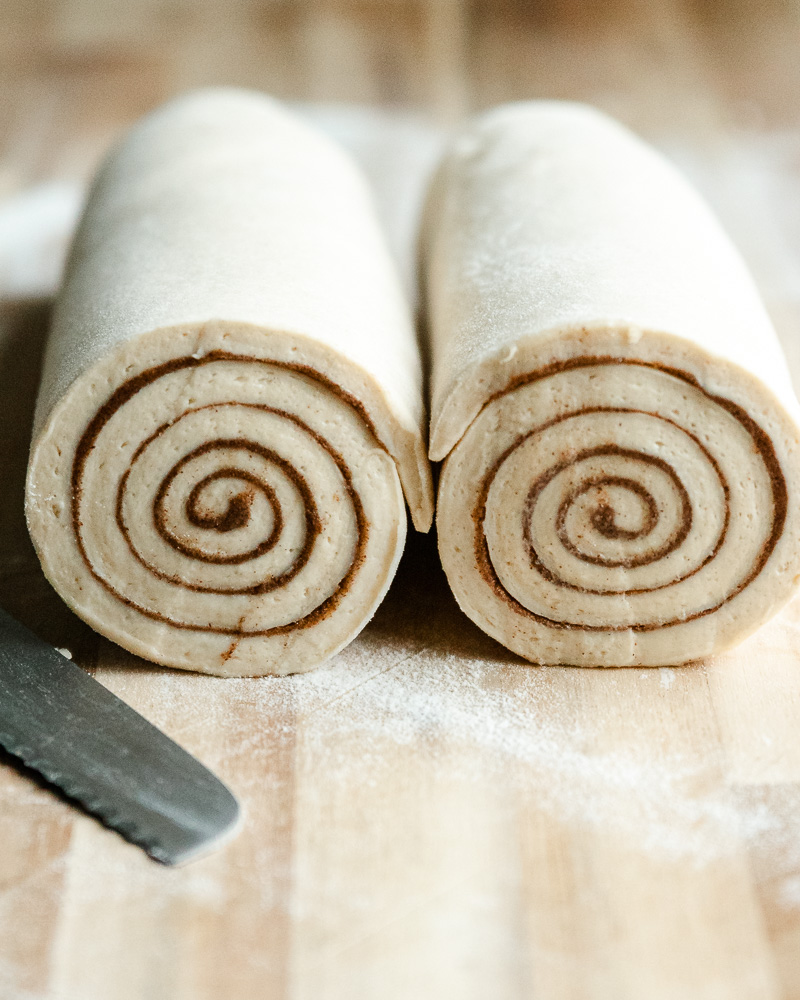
(102, 754)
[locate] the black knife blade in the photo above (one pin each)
(102, 754)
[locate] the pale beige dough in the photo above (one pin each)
(231, 406)
(621, 474)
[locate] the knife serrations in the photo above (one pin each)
(102, 754)
(83, 797)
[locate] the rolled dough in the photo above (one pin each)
(231, 403)
(621, 481)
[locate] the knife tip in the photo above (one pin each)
(228, 821)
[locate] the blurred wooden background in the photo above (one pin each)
(71, 72)
(426, 818)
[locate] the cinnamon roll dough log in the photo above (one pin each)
(231, 397)
(621, 477)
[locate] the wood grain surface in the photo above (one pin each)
(426, 817)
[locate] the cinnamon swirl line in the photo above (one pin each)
(227, 523)
(761, 444)
(233, 518)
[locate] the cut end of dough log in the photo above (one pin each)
(609, 510)
(216, 509)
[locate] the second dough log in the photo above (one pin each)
(621, 481)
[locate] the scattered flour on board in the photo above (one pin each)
(500, 731)
(396, 729)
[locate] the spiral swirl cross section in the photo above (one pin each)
(223, 513)
(610, 512)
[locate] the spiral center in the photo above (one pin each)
(224, 501)
(228, 507)
(618, 501)
(619, 508)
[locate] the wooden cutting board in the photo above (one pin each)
(426, 817)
